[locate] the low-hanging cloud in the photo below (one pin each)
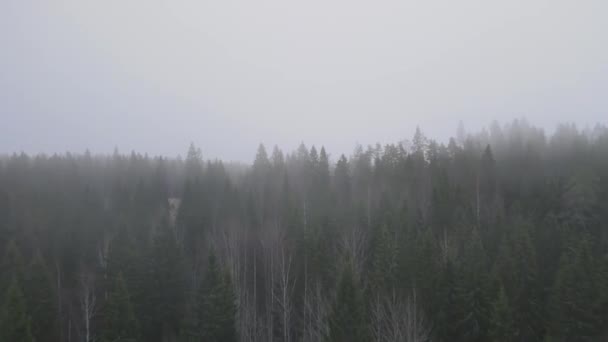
(155, 75)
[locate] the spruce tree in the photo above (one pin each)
(121, 258)
(15, 323)
(601, 308)
(120, 324)
(425, 266)
(216, 306)
(347, 320)
(519, 274)
(166, 288)
(502, 324)
(574, 296)
(446, 308)
(12, 266)
(473, 291)
(527, 300)
(383, 261)
(342, 185)
(40, 298)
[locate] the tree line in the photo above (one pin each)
(499, 235)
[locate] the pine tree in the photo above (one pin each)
(347, 320)
(120, 324)
(40, 298)
(216, 306)
(15, 324)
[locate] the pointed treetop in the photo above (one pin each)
(302, 152)
(419, 142)
(487, 154)
(278, 159)
(323, 157)
(314, 155)
(194, 162)
(261, 155)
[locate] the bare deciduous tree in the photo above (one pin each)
(354, 246)
(282, 294)
(88, 305)
(316, 309)
(395, 320)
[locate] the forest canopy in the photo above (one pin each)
(499, 235)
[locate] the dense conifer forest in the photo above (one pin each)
(500, 235)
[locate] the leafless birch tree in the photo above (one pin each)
(88, 305)
(395, 320)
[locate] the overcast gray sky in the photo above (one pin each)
(153, 75)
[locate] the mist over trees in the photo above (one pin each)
(501, 235)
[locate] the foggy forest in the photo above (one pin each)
(495, 235)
